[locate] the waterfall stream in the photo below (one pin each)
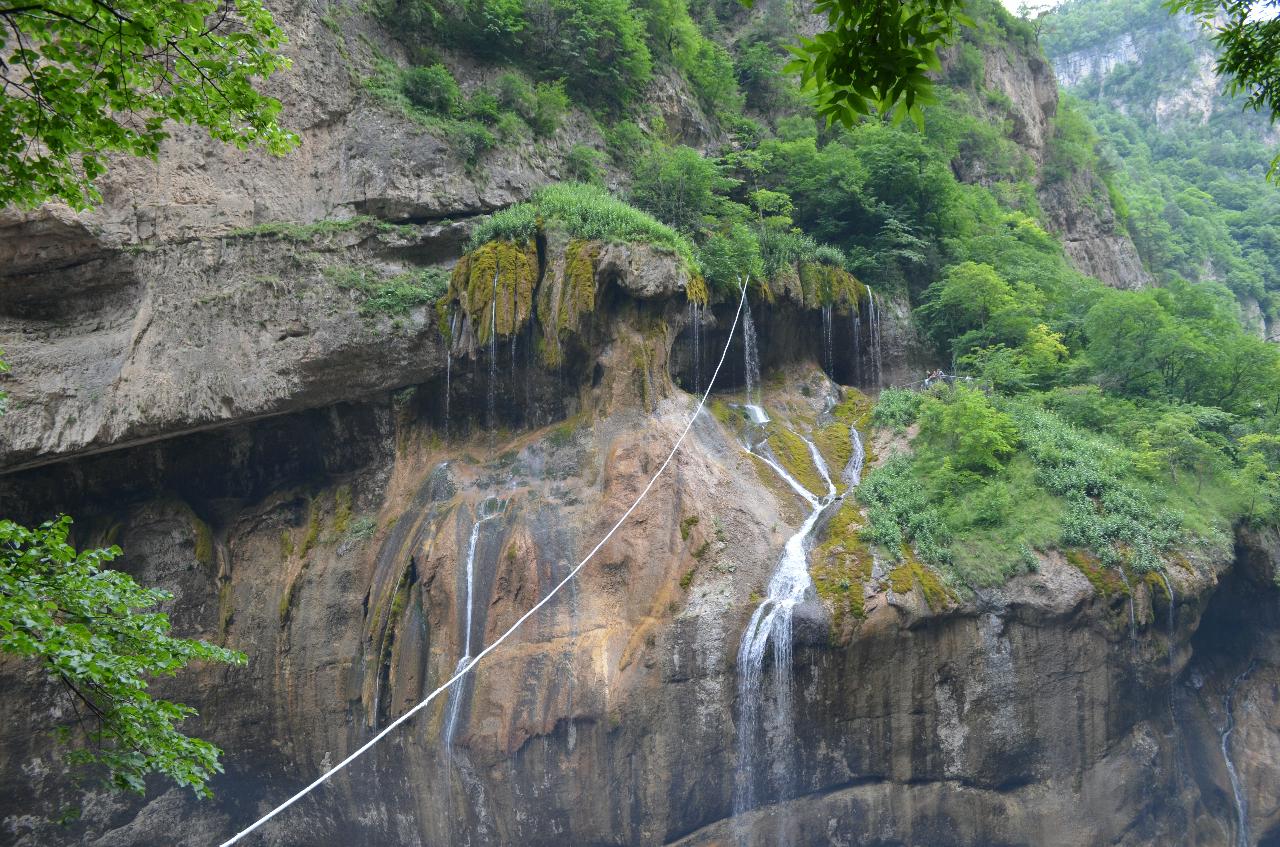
(771, 626)
(485, 512)
(873, 329)
(857, 345)
(751, 354)
(1237, 790)
(448, 367)
(828, 356)
(491, 420)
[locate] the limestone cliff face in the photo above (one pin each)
(307, 477)
(1077, 209)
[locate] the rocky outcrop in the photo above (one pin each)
(334, 553)
(1078, 210)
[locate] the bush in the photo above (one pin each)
(471, 141)
(432, 89)
(677, 184)
(582, 164)
(515, 93)
(550, 104)
(484, 107)
(583, 211)
(968, 429)
(731, 258)
(896, 409)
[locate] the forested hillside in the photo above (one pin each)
(1184, 161)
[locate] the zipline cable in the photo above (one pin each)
(461, 673)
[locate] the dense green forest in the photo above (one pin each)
(1183, 160)
(1129, 427)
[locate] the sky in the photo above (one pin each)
(1012, 5)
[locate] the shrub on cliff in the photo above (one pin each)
(582, 211)
(432, 88)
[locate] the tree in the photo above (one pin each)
(85, 623)
(876, 56)
(82, 79)
(677, 185)
(973, 434)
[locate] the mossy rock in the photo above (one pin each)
(793, 454)
(913, 574)
(501, 272)
(827, 285)
(696, 289)
(1105, 581)
(566, 295)
(840, 566)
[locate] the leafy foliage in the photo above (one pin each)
(86, 78)
(87, 626)
(582, 211)
(876, 56)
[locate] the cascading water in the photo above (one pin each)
(873, 327)
(695, 326)
(486, 511)
(771, 625)
(491, 420)
(1168, 587)
(1133, 618)
(448, 367)
(828, 358)
(1237, 790)
(752, 357)
(857, 345)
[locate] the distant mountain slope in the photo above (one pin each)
(1188, 163)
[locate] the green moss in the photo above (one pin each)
(839, 566)
(687, 579)
(313, 529)
(793, 454)
(726, 414)
(203, 541)
(696, 289)
(226, 610)
(341, 509)
(913, 573)
(1104, 580)
(502, 270)
(701, 552)
(827, 285)
(686, 526)
(286, 544)
(286, 601)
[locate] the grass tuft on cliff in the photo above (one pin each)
(583, 211)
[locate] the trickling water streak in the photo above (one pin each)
(484, 512)
(873, 325)
(696, 324)
(448, 368)
(1133, 619)
(857, 345)
(771, 624)
(493, 358)
(752, 357)
(828, 359)
(1242, 802)
(1168, 587)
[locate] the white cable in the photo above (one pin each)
(461, 673)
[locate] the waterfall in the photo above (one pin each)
(1242, 802)
(1133, 619)
(490, 422)
(485, 512)
(857, 345)
(771, 624)
(828, 359)
(695, 321)
(873, 326)
(448, 368)
(1168, 586)
(752, 357)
